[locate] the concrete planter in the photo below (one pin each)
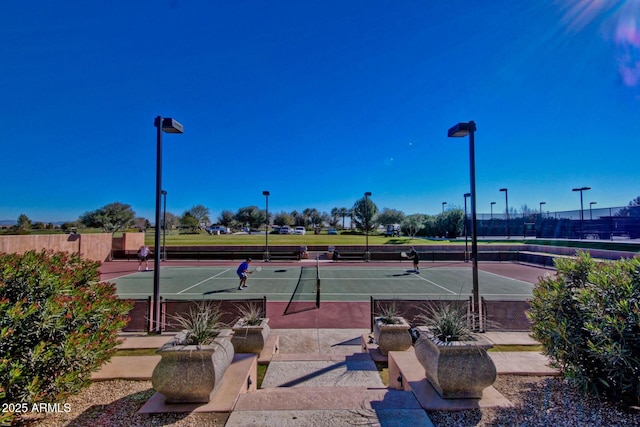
(392, 337)
(191, 373)
(250, 339)
(456, 369)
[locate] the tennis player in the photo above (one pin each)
(413, 255)
(243, 270)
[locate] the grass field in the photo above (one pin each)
(176, 239)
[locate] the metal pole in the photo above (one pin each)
(366, 220)
(466, 245)
(164, 227)
(156, 327)
(266, 230)
(474, 231)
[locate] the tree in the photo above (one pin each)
(344, 212)
(141, 223)
(171, 220)
(24, 223)
(412, 224)
(200, 213)
(226, 218)
(335, 217)
(633, 209)
(390, 216)
(110, 218)
(189, 221)
(282, 218)
(251, 215)
(364, 211)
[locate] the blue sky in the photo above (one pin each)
(317, 102)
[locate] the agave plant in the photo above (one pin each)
(201, 325)
(390, 314)
(446, 321)
(251, 314)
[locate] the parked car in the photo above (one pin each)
(218, 229)
(393, 230)
(332, 231)
(299, 230)
(285, 229)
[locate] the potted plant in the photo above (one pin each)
(194, 362)
(251, 331)
(390, 329)
(455, 359)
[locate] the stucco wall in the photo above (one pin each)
(96, 247)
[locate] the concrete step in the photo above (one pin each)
(316, 398)
(350, 371)
(328, 406)
(331, 418)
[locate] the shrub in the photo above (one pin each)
(201, 325)
(587, 317)
(58, 324)
(389, 315)
(446, 321)
(251, 314)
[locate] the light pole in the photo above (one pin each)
(590, 210)
(506, 202)
(541, 203)
(265, 193)
(164, 227)
(460, 130)
(492, 203)
(168, 125)
(581, 189)
(443, 203)
(366, 220)
(466, 245)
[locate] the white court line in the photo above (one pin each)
(205, 280)
(435, 284)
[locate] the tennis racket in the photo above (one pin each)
(403, 254)
(258, 269)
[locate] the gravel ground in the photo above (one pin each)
(538, 401)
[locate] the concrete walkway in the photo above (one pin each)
(324, 377)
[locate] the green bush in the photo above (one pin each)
(588, 319)
(58, 324)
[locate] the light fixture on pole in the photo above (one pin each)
(541, 203)
(443, 203)
(466, 247)
(265, 193)
(581, 189)
(366, 220)
(492, 203)
(590, 210)
(168, 125)
(461, 130)
(506, 202)
(164, 226)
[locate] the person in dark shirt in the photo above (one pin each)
(413, 255)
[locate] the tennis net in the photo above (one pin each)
(306, 295)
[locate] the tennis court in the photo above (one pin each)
(337, 283)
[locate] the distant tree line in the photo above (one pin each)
(364, 213)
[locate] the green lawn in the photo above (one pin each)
(176, 239)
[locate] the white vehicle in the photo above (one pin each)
(299, 230)
(285, 229)
(218, 229)
(393, 230)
